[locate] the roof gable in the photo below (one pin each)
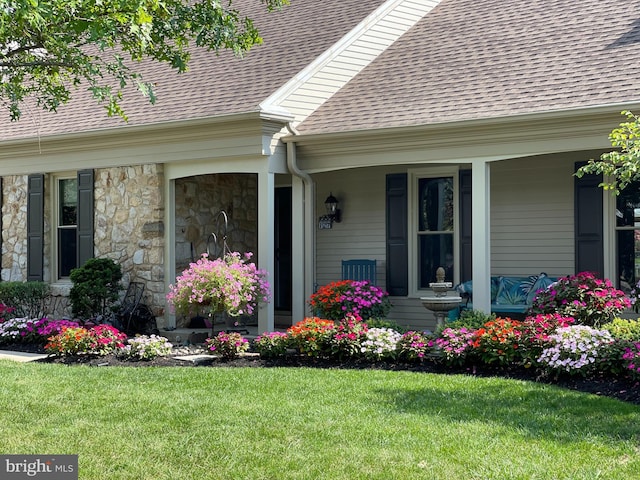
(329, 72)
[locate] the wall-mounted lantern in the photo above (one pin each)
(333, 213)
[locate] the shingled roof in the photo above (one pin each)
(470, 59)
(215, 85)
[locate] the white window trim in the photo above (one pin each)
(412, 244)
(55, 217)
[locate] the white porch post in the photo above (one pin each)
(297, 249)
(266, 243)
(170, 247)
(481, 234)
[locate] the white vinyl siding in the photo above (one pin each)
(531, 220)
(361, 233)
(532, 217)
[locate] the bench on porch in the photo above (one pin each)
(509, 295)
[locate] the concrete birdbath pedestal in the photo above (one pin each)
(441, 302)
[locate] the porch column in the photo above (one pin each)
(266, 243)
(298, 247)
(481, 235)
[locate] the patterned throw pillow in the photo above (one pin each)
(541, 283)
(513, 290)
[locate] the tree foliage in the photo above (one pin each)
(622, 166)
(48, 48)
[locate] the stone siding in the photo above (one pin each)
(129, 228)
(199, 199)
(14, 228)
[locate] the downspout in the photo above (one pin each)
(308, 220)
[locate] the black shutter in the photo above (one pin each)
(589, 246)
(465, 226)
(397, 232)
(35, 227)
(85, 216)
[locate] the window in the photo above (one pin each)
(432, 226)
(628, 236)
(70, 200)
(67, 225)
(435, 229)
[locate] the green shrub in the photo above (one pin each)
(471, 320)
(26, 298)
(384, 323)
(624, 329)
(95, 288)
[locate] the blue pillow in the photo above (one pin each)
(541, 283)
(511, 291)
(465, 288)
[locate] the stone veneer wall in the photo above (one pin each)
(199, 199)
(14, 228)
(129, 228)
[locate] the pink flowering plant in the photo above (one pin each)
(6, 312)
(230, 284)
(631, 359)
(106, 339)
(337, 299)
(228, 345)
(348, 336)
(414, 346)
(535, 332)
(31, 330)
(588, 299)
(98, 340)
(271, 344)
(454, 345)
(19, 330)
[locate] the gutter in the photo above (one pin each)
(306, 230)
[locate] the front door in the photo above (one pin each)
(282, 273)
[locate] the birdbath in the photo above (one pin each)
(441, 302)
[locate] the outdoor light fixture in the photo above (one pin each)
(333, 213)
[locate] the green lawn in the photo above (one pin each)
(233, 423)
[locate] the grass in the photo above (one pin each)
(234, 423)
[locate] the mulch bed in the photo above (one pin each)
(621, 388)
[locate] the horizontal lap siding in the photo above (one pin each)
(531, 219)
(361, 234)
(532, 216)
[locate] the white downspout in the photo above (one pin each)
(305, 249)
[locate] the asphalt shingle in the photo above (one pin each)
(471, 59)
(215, 84)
